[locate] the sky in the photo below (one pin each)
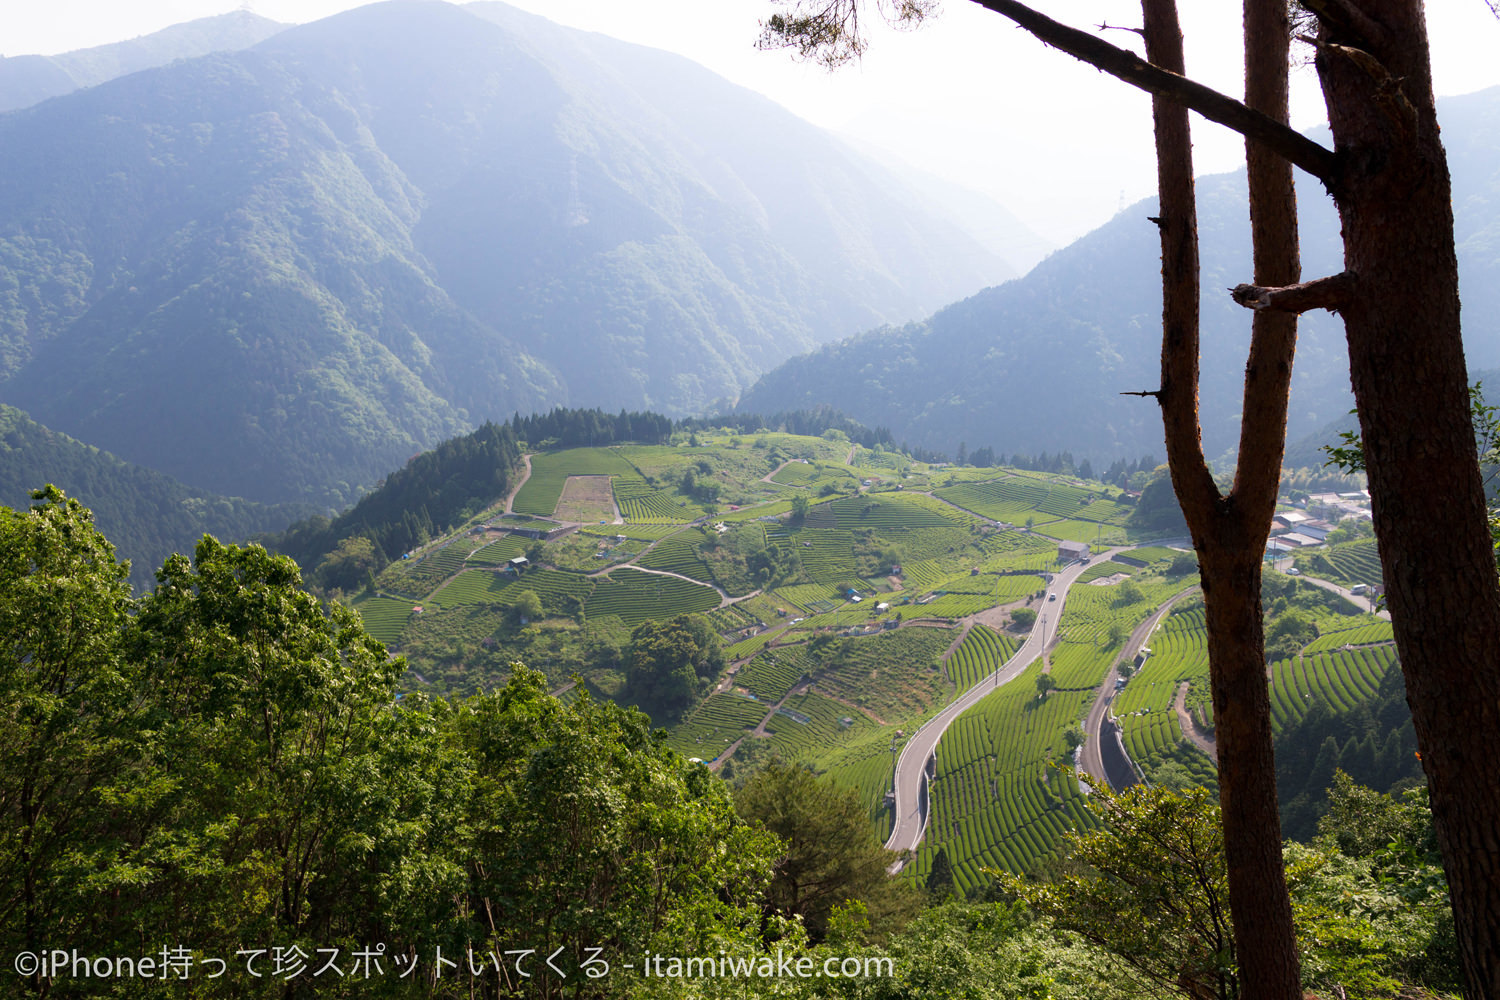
(967, 97)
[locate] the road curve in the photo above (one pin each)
(911, 766)
(1091, 760)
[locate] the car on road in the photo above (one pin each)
(1052, 597)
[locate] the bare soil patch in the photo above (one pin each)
(586, 499)
(1109, 581)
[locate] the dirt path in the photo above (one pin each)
(767, 477)
(1190, 728)
(849, 458)
(526, 461)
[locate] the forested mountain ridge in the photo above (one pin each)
(147, 515)
(1084, 326)
(277, 273)
(26, 80)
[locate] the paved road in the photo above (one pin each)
(1359, 601)
(911, 766)
(1091, 761)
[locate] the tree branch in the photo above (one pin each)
(1349, 17)
(1331, 293)
(1301, 151)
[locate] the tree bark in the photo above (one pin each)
(1229, 532)
(1406, 363)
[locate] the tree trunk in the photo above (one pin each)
(1229, 532)
(1406, 362)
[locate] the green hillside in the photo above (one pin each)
(272, 272)
(148, 516)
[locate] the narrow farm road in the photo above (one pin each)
(525, 475)
(1190, 728)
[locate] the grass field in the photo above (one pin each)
(550, 471)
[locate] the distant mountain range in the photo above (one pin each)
(1038, 364)
(27, 80)
(277, 272)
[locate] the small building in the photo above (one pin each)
(1291, 518)
(1069, 551)
(517, 564)
(1298, 539)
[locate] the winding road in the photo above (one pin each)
(1091, 760)
(921, 746)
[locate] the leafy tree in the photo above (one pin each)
(587, 833)
(800, 505)
(67, 718)
(272, 715)
(1151, 887)
(669, 662)
(1044, 684)
(830, 854)
(1073, 736)
(1182, 565)
(351, 565)
(940, 878)
(1023, 617)
(528, 606)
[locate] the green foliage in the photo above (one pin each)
(68, 725)
(224, 763)
(1149, 886)
(830, 856)
(147, 515)
(1157, 508)
(670, 662)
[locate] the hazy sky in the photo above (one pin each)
(967, 97)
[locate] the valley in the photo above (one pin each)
(865, 607)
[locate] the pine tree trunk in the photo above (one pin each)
(1229, 532)
(1406, 359)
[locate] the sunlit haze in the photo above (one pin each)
(967, 98)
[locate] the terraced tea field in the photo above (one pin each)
(678, 554)
(1144, 707)
(715, 724)
(474, 586)
(812, 728)
(642, 503)
(1347, 563)
(773, 672)
(1369, 633)
(1015, 498)
(895, 675)
(636, 597)
(1342, 678)
(384, 617)
(980, 654)
(995, 802)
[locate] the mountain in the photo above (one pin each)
(26, 80)
(147, 515)
(277, 273)
(1038, 364)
